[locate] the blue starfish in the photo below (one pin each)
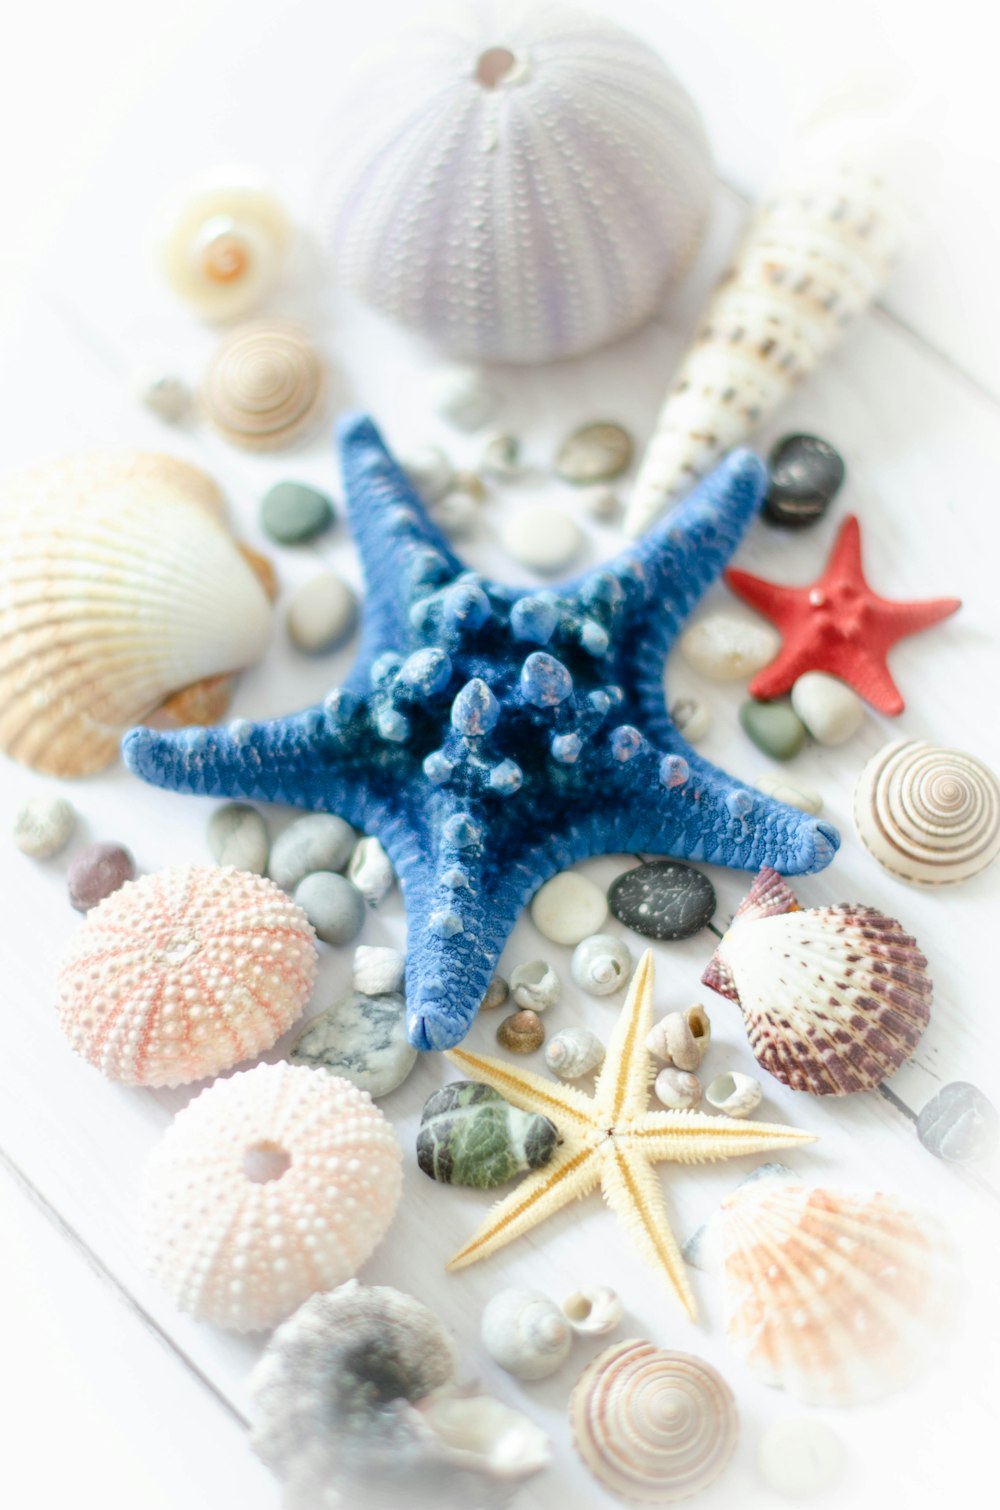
(484, 762)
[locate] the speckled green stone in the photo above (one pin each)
(774, 728)
(291, 513)
(469, 1135)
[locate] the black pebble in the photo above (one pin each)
(806, 473)
(662, 899)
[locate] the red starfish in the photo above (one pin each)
(837, 625)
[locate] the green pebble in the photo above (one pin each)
(774, 728)
(291, 513)
(469, 1135)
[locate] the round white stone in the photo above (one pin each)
(430, 472)
(457, 513)
(377, 969)
(569, 908)
(728, 648)
(321, 614)
(792, 792)
(464, 396)
(831, 711)
(43, 825)
(546, 540)
(800, 1457)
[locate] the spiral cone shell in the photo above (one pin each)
(265, 386)
(224, 247)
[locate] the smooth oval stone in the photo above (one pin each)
(430, 472)
(322, 841)
(728, 648)
(363, 1039)
(806, 473)
(774, 728)
(335, 908)
(691, 718)
(544, 539)
(377, 969)
(601, 503)
(568, 908)
(830, 709)
(501, 457)
(321, 613)
(595, 453)
(464, 396)
(469, 1135)
(662, 899)
(237, 835)
(959, 1124)
(291, 513)
(43, 825)
(792, 792)
(457, 513)
(801, 1457)
(96, 872)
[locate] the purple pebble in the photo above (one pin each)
(96, 872)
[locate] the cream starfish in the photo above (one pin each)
(611, 1139)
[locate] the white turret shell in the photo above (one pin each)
(526, 1333)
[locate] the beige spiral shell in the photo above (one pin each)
(653, 1426)
(224, 247)
(928, 814)
(264, 387)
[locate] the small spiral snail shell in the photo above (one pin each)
(265, 385)
(653, 1426)
(526, 1333)
(573, 1052)
(928, 814)
(681, 1038)
(535, 985)
(592, 1313)
(601, 964)
(522, 1032)
(224, 248)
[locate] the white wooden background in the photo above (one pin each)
(109, 1397)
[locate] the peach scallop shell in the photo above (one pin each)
(653, 1426)
(834, 998)
(119, 586)
(184, 973)
(833, 1295)
(269, 1186)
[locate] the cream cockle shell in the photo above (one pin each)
(681, 1038)
(225, 246)
(928, 814)
(593, 1313)
(526, 1333)
(517, 182)
(601, 964)
(119, 586)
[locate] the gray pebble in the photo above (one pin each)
(959, 1124)
(363, 1039)
(96, 872)
(335, 908)
(237, 835)
(662, 899)
(320, 842)
(43, 825)
(291, 513)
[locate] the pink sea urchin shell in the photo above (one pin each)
(268, 1187)
(185, 973)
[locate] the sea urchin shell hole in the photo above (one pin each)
(495, 66)
(266, 1161)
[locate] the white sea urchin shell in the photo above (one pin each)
(518, 182)
(269, 1186)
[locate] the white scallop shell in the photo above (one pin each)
(653, 1426)
(224, 247)
(517, 182)
(835, 1296)
(928, 814)
(817, 251)
(119, 585)
(592, 1313)
(526, 1333)
(573, 1052)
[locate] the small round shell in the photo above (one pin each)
(734, 1094)
(573, 1052)
(535, 985)
(526, 1333)
(522, 1032)
(225, 247)
(265, 386)
(681, 1038)
(601, 964)
(593, 1313)
(497, 993)
(678, 1090)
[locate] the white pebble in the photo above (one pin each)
(831, 711)
(801, 1457)
(727, 648)
(377, 969)
(569, 908)
(430, 472)
(43, 825)
(163, 394)
(792, 792)
(371, 870)
(601, 503)
(501, 458)
(457, 513)
(546, 540)
(321, 614)
(464, 397)
(691, 718)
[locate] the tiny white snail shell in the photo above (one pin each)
(592, 1313)
(681, 1038)
(535, 985)
(678, 1090)
(601, 964)
(573, 1052)
(526, 1333)
(733, 1093)
(224, 248)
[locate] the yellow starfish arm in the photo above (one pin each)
(573, 1171)
(529, 1092)
(622, 1088)
(693, 1138)
(633, 1192)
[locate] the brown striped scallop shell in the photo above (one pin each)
(929, 815)
(653, 1426)
(265, 385)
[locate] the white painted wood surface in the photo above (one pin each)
(149, 1407)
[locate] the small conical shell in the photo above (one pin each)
(681, 1038)
(224, 247)
(119, 585)
(265, 386)
(833, 1295)
(817, 251)
(929, 815)
(834, 998)
(653, 1426)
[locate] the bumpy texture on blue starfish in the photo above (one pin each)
(491, 736)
